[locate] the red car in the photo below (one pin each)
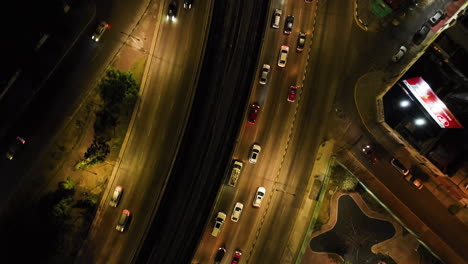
(236, 258)
(292, 93)
(370, 154)
(253, 112)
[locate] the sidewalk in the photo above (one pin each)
(299, 238)
(371, 115)
(401, 212)
(372, 118)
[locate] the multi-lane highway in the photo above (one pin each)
(288, 132)
(153, 138)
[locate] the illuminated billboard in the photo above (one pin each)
(431, 102)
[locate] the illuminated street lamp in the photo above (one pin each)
(420, 121)
(404, 103)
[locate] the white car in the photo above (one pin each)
(254, 152)
(114, 201)
(435, 19)
(283, 56)
(236, 212)
(259, 197)
(264, 74)
(220, 218)
(101, 28)
(276, 18)
(401, 52)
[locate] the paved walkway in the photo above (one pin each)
(400, 247)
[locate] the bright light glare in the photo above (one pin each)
(404, 103)
(420, 121)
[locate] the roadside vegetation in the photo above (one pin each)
(118, 92)
(53, 224)
(341, 180)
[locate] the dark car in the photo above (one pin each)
(101, 28)
(15, 146)
(288, 25)
(123, 220)
(172, 11)
(253, 112)
(421, 34)
(400, 167)
(219, 255)
(301, 41)
(370, 154)
(188, 4)
(292, 93)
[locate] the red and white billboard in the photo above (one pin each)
(431, 102)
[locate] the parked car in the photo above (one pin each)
(237, 256)
(264, 74)
(401, 52)
(172, 11)
(123, 220)
(220, 218)
(400, 167)
(188, 4)
(283, 56)
(101, 28)
(370, 154)
(15, 147)
(421, 34)
(114, 201)
(219, 255)
(292, 93)
(254, 152)
(259, 196)
(253, 112)
(236, 212)
(276, 18)
(288, 24)
(416, 182)
(435, 19)
(301, 41)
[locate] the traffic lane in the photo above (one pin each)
(315, 102)
(51, 107)
(154, 137)
(233, 233)
(279, 111)
(436, 216)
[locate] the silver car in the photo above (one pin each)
(264, 74)
(254, 152)
(236, 212)
(283, 56)
(114, 200)
(401, 52)
(259, 197)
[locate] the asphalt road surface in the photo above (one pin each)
(289, 133)
(154, 136)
